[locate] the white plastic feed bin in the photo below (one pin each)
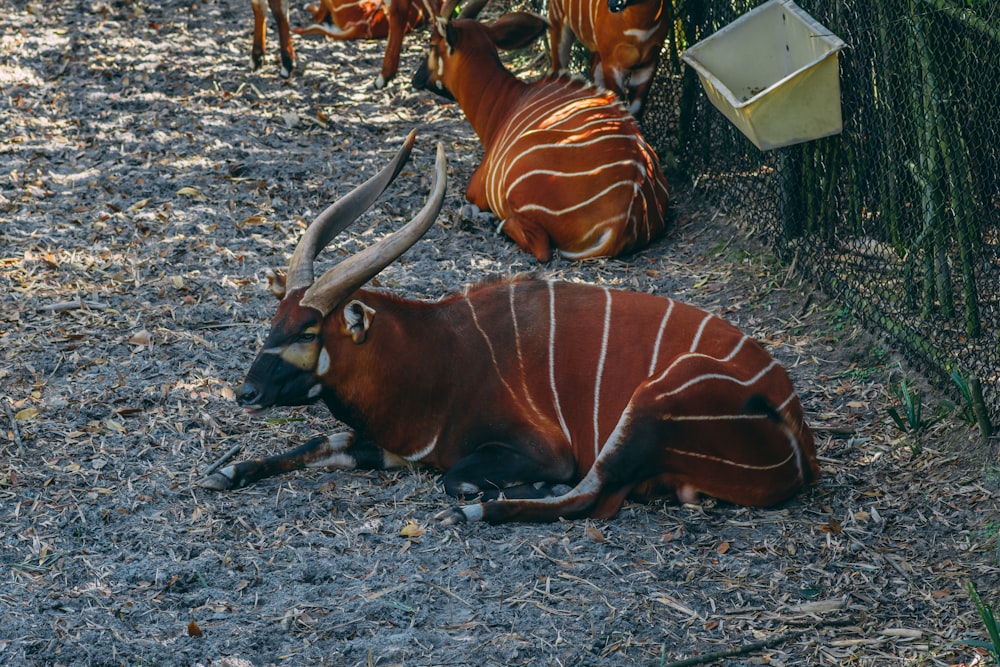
(774, 73)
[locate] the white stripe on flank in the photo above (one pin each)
(677, 360)
(713, 418)
(701, 329)
(736, 350)
(520, 358)
(718, 459)
(419, 456)
(659, 337)
(489, 345)
(600, 369)
(582, 204)
(719, 376)
(594, 247)
(552, 360)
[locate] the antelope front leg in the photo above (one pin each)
(396, 13)
(279, 10)
(340, 450)
(259, 33)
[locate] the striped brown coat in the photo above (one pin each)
(564, 165)
(341, 19)
(624, 38)
(565, 399)
(367, 19)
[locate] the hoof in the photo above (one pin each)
(221, 480)
(451, 517)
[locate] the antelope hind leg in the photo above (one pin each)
(498, 468)
(528, 235)
(601, 492)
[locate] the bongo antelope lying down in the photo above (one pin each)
(539, 399)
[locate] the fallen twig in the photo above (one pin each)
(707, 658)
(222, 459)
(73, 304)
(13, 426)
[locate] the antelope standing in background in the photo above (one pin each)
(564, 399)
(360, 19)
(564, 163)
(367, 19)
(624, 38)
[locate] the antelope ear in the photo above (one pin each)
(276, 282)
(357, 318)
(517, 30)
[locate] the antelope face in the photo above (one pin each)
(430, 75)
(288, 369)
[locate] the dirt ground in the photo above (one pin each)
(148, 180)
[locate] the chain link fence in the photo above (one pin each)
(898, 217)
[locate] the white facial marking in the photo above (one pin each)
(323, 363)
(315, 391)
(642, 36)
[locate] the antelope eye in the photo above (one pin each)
(306, 337)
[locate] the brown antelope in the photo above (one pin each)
(624, 38)
(360, 19)
(549, 399)
(564, 163)
(367, 19)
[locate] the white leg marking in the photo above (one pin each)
(473, 512)
(340, 441)
(337, 460)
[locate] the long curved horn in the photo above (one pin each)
(339, 215)
(337, 283)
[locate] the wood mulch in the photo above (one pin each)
(149, 179)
